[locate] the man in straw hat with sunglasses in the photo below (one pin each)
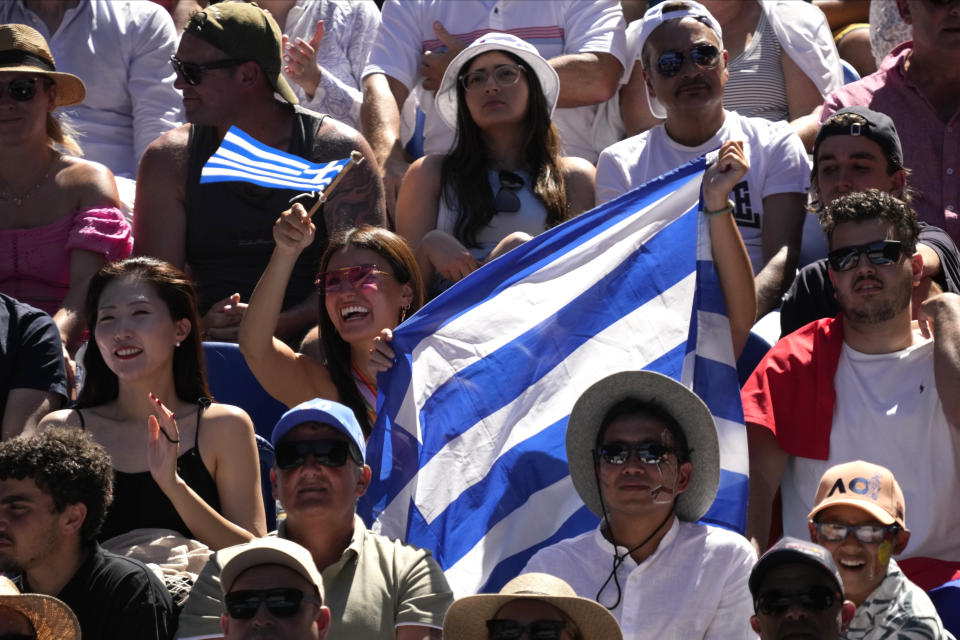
(540, 605)
(644, 456)
(865, 385)
(685, 68)
(229, 68)
(376, 588)
(34, 616)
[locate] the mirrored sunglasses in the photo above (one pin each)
(507, 200)
(327, 453)
(881, 253)
(647, 452)
(870, 533)
(364, 276)
(281, 602)
(537, 630)
(705, 56)
(815, 598)
(21, 90)
(503, 74)
(192, 72)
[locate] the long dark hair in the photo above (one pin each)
(100, 384)
(463, 173)
(395, 251)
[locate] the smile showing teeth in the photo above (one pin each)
(353, 311)
(852, 564)
(126, 352)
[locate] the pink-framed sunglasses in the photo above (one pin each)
(364, 276)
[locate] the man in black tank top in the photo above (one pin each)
(229, 68)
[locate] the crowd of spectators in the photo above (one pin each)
(131, 503)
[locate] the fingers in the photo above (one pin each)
(294, 230)
(453, 44)
(165, 420)
(317, 37)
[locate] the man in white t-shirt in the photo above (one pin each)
(685, 68)
(865, 385)
(644, 456)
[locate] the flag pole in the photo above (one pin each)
(355, 159)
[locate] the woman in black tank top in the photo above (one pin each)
(143, 396)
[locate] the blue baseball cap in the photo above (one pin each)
(326, 412)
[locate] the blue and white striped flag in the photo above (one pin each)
(240, 158)
(468, 453)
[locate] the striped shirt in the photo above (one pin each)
(756, 87)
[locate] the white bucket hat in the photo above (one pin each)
(656, 16)
(446, 99)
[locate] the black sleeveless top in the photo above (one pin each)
(229, 226)
(139, 503)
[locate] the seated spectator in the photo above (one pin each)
(858, 149)
(686, 69)
(865, 385)
(543, 606)
(859, 516)
(797, 592)
(505, 180)
(180, 462)
(121, 50)
(280, 575)
(59, 219)
(582, 41)
(229, 68)
(644, 457)
(375, 587)
(54, 491)
(34, 616)
(32, 378)
(368, 282)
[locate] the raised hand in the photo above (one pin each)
(724, 174)
(434, 63)
(163, 445)
(222, 320)
(293, 231)
(382, 354)
(300, 60)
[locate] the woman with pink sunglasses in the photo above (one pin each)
(368, 281)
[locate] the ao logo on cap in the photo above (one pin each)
(864, 486)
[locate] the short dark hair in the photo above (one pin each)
(873, 205)
(645, 409)
(69, 466)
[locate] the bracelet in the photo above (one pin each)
(719, 212)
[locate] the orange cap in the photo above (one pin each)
(864, 485)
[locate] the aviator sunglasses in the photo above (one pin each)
(364, 276)
(281, 602)
(326, 453)
(881, 252)
(192, 72)
(504, 75)
(704, 56)
(648, 453)
(536, 630)
(865, 533)
(776, 603)
(21, 90)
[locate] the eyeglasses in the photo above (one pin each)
(507, 200)
(648, 453)
(503, 74)
(21, 90)
(704, 56)
(880, 253)
(327, 453)
(281, 602)
(865, 533)
(815, 598)
(536, 630)
(192, 72)
(364, 276)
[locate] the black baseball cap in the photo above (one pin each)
(794, 551)
(878, 127)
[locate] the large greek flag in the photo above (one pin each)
(468, 451)
(241, 158)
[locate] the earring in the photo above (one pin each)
(403, 312)
(178, 343)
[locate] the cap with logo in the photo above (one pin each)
(792, 551)
(876, 126)
(865, 486)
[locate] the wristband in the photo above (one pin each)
(719, 212)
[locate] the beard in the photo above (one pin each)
(894, 299)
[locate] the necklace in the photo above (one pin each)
(6, 196)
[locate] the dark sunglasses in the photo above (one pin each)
(647, 452)
(21, 90)
(704, 56)
(364, 276)
(281, 602)
(507, 200)
(880, 253)
(815, 598)
(865, 533)
(192, 72)
(503, 74)
(18, 636)
(327, 453)
(536, 630)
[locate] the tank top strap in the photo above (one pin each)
(203, 404)
(83, 423)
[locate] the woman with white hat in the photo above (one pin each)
(505, 180)
(59, 215)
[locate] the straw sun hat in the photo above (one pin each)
(24, 49)
(51, 618)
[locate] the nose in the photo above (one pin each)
(795, 611)
(490, 83)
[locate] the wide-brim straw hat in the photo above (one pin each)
(51, 618)
(446, 99)
(687, 409)
(23, 49)
(466, 618)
